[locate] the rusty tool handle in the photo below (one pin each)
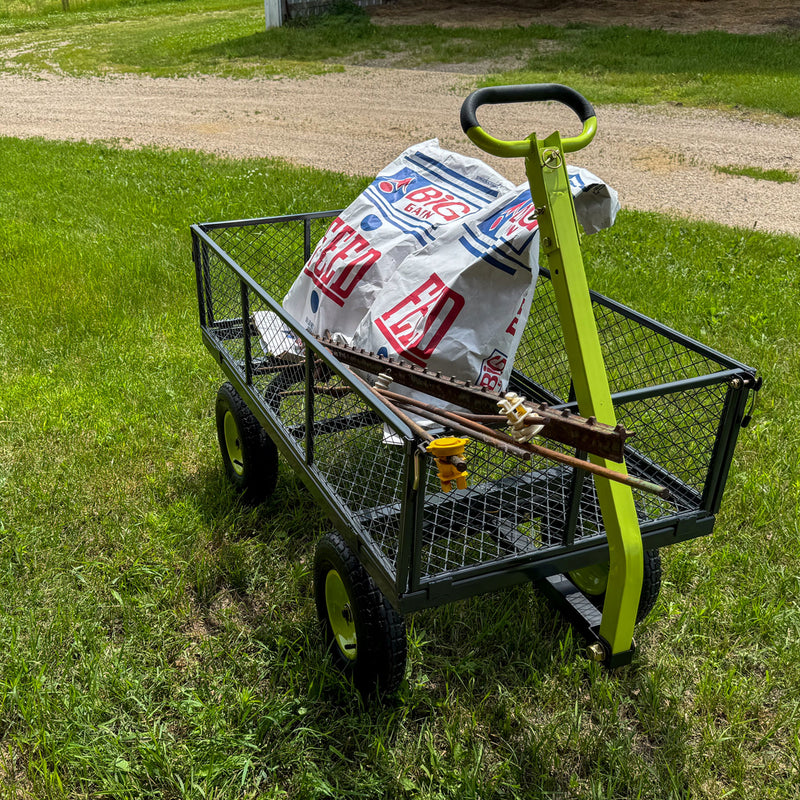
(466, 427)
(508, 445)
(604, 472)
(560, 425)
(416, 428)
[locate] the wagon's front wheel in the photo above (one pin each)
(249, 456)
(593, 580)
(364, 634)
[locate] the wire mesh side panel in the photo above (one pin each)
(272, 252)
(675, 440)
(514, 507)
(635, 355)
(240, 322)
(676, 436)
(222, 300)
(352, 457)
(345, 449)
(278, 370)
(541, 355)
(675, 425)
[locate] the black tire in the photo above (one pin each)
(249, 456)
(371, 643)
(651, 584)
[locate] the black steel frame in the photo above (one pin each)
(400, 574)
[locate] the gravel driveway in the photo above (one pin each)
(658, 158)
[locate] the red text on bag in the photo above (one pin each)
(343, 260)
(416, 325)
(429, 202)
(492, 371)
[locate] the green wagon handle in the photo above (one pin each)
(549, 181)
(526, 93)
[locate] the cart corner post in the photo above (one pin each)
(546, 170)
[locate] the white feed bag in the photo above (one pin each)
(435, 263)
(404, 209)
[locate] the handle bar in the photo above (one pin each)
(526, 93)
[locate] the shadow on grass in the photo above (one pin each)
(498, 700)
(312, 43)
(498, 695)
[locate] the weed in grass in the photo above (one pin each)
(776, 175)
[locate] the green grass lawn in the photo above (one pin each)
(609, 65)
(159, 640)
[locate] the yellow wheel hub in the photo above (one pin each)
(340, 615)
(233, 444)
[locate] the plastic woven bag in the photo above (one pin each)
(422, 192)
(436, 263)
(460, 304)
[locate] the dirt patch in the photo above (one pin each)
(734, 16)
(659, 158)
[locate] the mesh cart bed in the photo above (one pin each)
(518, 519)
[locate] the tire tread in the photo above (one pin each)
(382, 644)
(259, 453)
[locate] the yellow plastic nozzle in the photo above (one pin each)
(442, 449)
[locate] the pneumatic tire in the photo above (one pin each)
(593, 580)
(249, 456)
(364, 634)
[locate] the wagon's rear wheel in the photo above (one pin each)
(249, 456)
(593, 581)
(364, 634)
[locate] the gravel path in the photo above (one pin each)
(658, 158)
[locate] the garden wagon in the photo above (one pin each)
(586, 524)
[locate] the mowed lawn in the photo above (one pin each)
(159, 639)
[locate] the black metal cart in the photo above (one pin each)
(401, 542)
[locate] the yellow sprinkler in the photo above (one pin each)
(442, 449)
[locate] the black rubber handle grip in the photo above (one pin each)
(524, 93)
